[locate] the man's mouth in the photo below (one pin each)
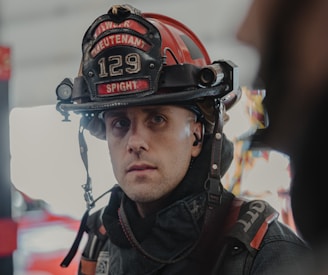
(140, 167)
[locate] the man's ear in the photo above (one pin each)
(197, 140)
(198, 134)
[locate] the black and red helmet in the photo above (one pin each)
(132, 58)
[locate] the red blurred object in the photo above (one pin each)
(43, 239)
(8, 236)
(5, 66)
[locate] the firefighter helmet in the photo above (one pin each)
(131, 58)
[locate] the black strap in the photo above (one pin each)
(87, 195)
(83, 228)
(71, 253)
(84, 156)
(213, 184)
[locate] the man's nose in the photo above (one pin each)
(137, 140)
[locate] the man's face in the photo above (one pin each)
(151, 148)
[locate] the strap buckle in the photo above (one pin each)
(214, 191)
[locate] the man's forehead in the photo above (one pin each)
(146, 109)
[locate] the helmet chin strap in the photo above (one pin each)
(213, 184)
(90, 201)
(88, 197)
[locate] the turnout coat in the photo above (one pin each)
(188, 236)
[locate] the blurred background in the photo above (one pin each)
(44, 38)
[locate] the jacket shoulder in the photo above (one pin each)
(252, 223)
(260, 244)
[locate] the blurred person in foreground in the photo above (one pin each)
(147, 86)
(292, 41)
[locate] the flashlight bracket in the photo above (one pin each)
(63, 113)
(230, 73)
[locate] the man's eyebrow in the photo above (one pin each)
(153, 108)
(112, 113)
(146, 109)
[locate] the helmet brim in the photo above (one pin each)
(176, 98)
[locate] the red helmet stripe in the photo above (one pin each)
(110, 25)
(135, 86)
(120, 39)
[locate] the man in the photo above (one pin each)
(292, 42)
(146, 84)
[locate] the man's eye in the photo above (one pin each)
(158, 119)
(121, 123)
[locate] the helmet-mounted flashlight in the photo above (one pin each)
(64, 90)
(220, 72)
(211, 75)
